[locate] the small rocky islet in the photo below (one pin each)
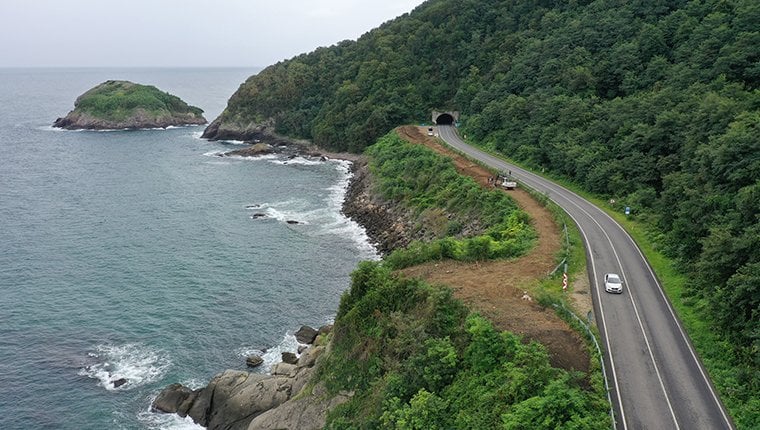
(116, 105)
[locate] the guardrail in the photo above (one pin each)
(560, 307)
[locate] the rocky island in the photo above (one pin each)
(127, 105)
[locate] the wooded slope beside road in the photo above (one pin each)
(656, 379)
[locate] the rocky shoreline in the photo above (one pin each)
(388, 225)
(288, 398)
(141, 120)
(239, 400)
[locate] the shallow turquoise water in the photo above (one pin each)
(135, 254)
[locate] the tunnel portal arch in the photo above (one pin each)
(445, 118)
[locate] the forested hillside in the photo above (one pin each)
(655, 104)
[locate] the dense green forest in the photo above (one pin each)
(416, 359)
(655, 104)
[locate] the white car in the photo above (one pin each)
(612, 283)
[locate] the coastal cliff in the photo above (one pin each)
(116, 105)
(219, 129)
(239, 400)
(291, 397)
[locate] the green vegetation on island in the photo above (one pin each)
(655, 105)
(123, 104)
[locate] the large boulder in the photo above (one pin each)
(255, 150)
(301, 413)
(234, 400)
(253, 360)
(289, 357)
(309, 357)
(175, 399)
(306, 334)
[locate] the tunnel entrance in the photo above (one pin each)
(445, 118)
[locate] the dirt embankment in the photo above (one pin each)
(496, 288)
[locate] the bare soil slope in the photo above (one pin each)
(496, 288)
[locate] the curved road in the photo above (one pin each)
(655, 378)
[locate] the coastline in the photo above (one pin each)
(387, 226)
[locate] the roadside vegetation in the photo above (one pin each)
(416, 359)
(655, 105)
(413, 355)
(429, 184)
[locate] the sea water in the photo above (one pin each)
(144, 255)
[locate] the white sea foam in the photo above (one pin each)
(265, 157)
(215, 153)
(272, 355)
(341, 225)
(289, 210)
(234, 142)
(48, 128)
(327, 217)
(136, 363)
(161, 421)
(296, 161)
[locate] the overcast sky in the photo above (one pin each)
(173, 33)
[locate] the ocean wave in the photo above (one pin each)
(50, 128)
(299, 161)
(328, 218)
(162, 421)
(288, 210)
(135, 363)
(272, 355)
(265, 157)
(341, 224)
(233, 142)
(214, 153)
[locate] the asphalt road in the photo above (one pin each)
(655, 378)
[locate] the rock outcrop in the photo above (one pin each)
(238, 400)
(253, 360)
(306, 334)
(115, 105)
(222, 129)
(388, 225)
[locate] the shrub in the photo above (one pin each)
(415, 360)
(429, 184)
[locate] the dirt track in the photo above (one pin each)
(496, 288)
